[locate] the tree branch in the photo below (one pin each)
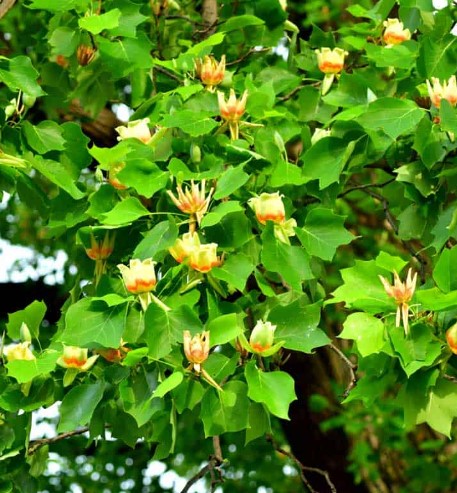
(213, 468)
(351, 367)
(36, 444)
(303, 468)
(209, 17)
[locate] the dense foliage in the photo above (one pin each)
(286, 177)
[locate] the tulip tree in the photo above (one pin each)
(285, 184)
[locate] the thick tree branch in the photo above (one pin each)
(303, 468)
(209, 17)
(5, 6)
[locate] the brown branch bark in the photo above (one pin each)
(36, 444)
(5, 6)
(209, 16)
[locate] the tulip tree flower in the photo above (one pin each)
(330, 62)
(401, 292)
(75, 360)
(232, 110)
(196, 349)
(394, 33)
(268, 207)
(193, 201)
(113, 180)
(446, 90)
(204, 257)
(183, 247)
(137, 129)
(451, 338)
(261, 340)
(20, 352)
(211, 72)
(140, 278)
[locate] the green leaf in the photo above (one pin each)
(79, 404)
(231, 180)
(240, 22)
(429, 142)
(440, 409)
(123, 56)
(129, 20)
(170, 383)
(259, 422)
(225, 411)
(392, 116)
(102, 325)
(188, 394)
(64, 41)
(399, 56)
(275, 389)
(163, 330)
(192, 122)
(326, 159)
(297, 325)
(220, 367)
(417, 351)
(233, 231)
(26, 370)
(362, 288)
(97, 23)
(291, 262)
(435, 300)
(224, 329)
(44, 137)
(161, 237)
(125, 212)
(323, 233)
(444, 273)
(136, 395)
(32, 315)
(216, 214)
(448, 117)
(55, 5)
(235, 270)
(59, 174)
(437, 57)
(142, 175)
(19, 74)
(367, 331)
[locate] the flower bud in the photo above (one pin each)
(451, 338)
(268, 207)
(140, 277)
(262, 336)
(76, 357)
(210, 72)
(24, 333)
(394, 33)
(20, 351)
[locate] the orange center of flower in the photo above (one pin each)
(394, 38)
(141, 286)
(74, 362)
(331, 67)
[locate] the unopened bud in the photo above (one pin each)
(85, 54)
(451, 338)
(24, 333)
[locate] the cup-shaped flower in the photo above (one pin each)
(451, 338)
(262, 336)
(100, 249)
(319, 134)
(447, 90)
(402, 293)
(140, 276)
(211, 72)
(136, 129)
(196, 348)
(204, 257)
(20, 351)
(331, 61)
(394, 33)
(268, 207)
(232, 109)
(114, 355)
(184, 246)
(76, 357)
(193, 200)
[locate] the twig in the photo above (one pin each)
(213, 468)
(247, 54)
(365, 186)
(351, 367)
(166, 72)
(450, 378)
(36, 444)
(303, 468)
